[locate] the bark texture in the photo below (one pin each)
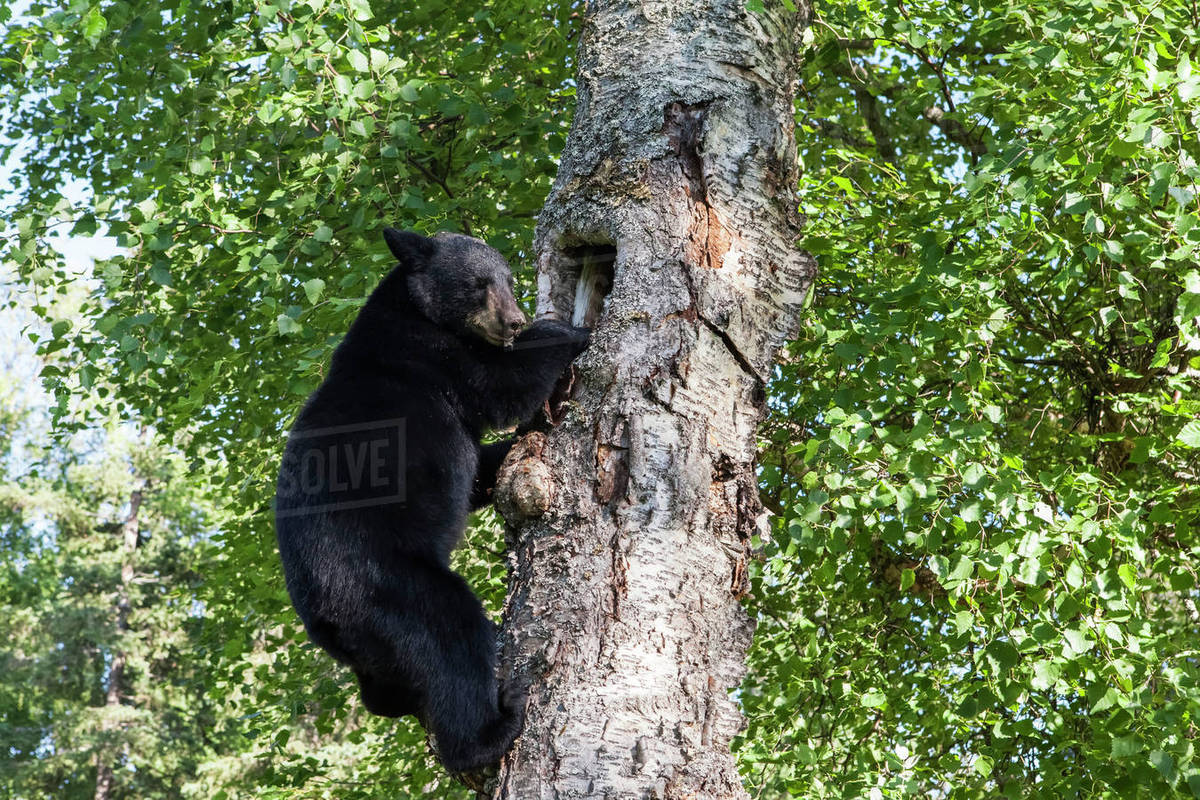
(631, 519)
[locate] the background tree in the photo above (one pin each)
(981, 452)
(103, 660)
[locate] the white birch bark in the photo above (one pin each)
(631, 519)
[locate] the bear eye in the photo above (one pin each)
(482, 283)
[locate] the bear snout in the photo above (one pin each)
(500, 319)
(514, 322)
(509, 319)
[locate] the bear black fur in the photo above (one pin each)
(429, 365)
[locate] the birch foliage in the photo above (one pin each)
(984, 456)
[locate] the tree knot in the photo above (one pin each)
(525, 484)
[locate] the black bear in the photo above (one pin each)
(381, 469)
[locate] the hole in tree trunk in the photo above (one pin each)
(593, 267)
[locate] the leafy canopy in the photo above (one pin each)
(985, 447)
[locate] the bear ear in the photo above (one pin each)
(412, 250)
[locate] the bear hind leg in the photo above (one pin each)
(473, 720)
(485, 746)
(386, 699)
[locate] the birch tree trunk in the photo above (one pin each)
(631, 519)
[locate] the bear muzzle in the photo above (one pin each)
(500, 320)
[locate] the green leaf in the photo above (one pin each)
(1002, 656)
(313, 289)
(1128, 575)
(1189, 434)
(1115, 251)
(361, 9)
(269, 111)
(1075, 203)
(409, 91)
(1077, 641)
(1032, 573)
(94, 25)
(843, 184)
(1165, 765)
(1045, 675)
(1191, 281)
(287, 325)
(359, 61)
(873, 699)
(1126, 746)
(1074, 575)
(1107, 699)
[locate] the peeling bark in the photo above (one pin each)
(623, 614)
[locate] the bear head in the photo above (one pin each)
(459, 283)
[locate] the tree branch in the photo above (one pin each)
(956, 132)
(832, 130)
(868, 107)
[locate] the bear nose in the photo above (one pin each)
(513, 319)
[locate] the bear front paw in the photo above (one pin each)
(583, 336)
